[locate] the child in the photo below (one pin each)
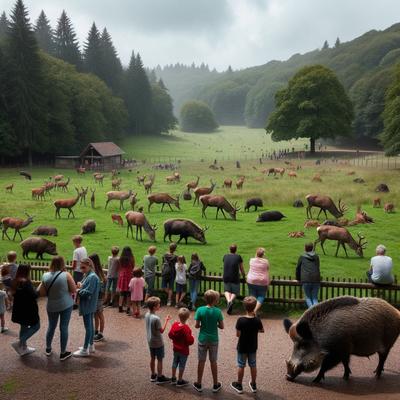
(150, 262)
(3, 301)
(208, 318)
(11, 258)
(180, 279)
(112, 277)
(78, 255)
(196, 270)
(136, 286)
(154, 332)
(99, 320)
(247, 330)
(182, 338)
(168, 272)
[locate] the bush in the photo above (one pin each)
(196, 116)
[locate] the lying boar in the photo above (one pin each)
(267, 216)
(39, 246)
(330, 332)
(45, 231)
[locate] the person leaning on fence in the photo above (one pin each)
(168, 272)
(59, 287)
(150, 262)
(112, 277)
(195, 272)
(258, 277)
(308, 273)
(381, 267)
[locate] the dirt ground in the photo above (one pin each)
(119, 368)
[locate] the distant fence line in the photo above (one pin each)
(378, 160)
(282, 290)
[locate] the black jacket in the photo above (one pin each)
(25, 308)
(307, 270)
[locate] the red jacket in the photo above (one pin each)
(182, 337)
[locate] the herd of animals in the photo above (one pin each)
(330, 229)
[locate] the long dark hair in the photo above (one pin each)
(97, 266)
(22, 275)
(127, 258)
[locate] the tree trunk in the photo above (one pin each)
(312, 146)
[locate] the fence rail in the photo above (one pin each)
(282, 290)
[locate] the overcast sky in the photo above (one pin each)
(239, 33)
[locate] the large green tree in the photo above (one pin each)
(112, 71)
(3, 25)
(313, 105)
(197, 116)
(44, 34)
(92, 53)
(163, 119)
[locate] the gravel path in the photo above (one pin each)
(119, 369)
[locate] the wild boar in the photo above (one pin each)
(39, 246)
(184, 228)
(382, 187)
(45, 231)
(268, 216)
(298, 203)
(253, 202)
(89, 226)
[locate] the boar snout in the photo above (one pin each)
(293, 370)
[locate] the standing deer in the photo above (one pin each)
(67, 203)
(227, 183)
(121, 196)
(342, 236)
(149, 184)
(377, 202)
(84, 193)
(171, 179)
(388, 207)
(177, 176)
(63, 185)
(133, 200)
(163, 198)
(239, 183)
(324, 203)
(98, 178)
(116, 183)
(292, 174)
(15, 223)
(93, 198)
(141, 179)
(81, 170)
(9, 188)
(38, 193)
(220, 203)
(193, 184)
(201, 191)
(139, 220)
(58, 178)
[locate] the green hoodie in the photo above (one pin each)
(307, 270)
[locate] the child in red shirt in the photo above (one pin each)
(182, 338)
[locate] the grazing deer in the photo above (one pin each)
(38, 193)
(121, 196)
(84, 193)
(98, 178)
(93, 198)
(138, 219)
(201, 191)
(316, 178)
(171, 179)
(15, 223)
(220, 203)
(163, 198)
(117, 218)
(116, 183)
(58, 178)
(292, 174)
(193, 184)
(388, 207)
(239, 183)
(324, 203)
(149, 184)
(9, 188)
(342, 236)
(376, 202)
(81, 170)
(63, 185)
(227, 183)
(67, 203)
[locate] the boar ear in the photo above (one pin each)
(303, 329)
(287, 323)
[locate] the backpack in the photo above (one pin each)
(166, 271)
(195, 270)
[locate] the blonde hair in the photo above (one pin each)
(211, 297)
(183, 314)
(153, 302)
(260, 252)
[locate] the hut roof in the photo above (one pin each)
(104, 149)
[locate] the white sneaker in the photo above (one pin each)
(17, 347)
(91, 349)
(3, 330)
(27, 350)
(81, 353)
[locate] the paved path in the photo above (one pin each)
(119, 369)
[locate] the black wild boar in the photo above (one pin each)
(39, 246)
(253, 202)
(267, 216)
(89, 226)
(45, 231)
(382, 187)
(184, 228)
(330, 332)
(298, 204)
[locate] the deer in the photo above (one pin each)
(149, 184)
(48, 186)
(138, 219)
(39, 193)
(227, 183)
(98, 178)
(201, 191)
(342, 236)
(116, 183)
(133, 200)
(84, 193)
(15, 223)
(121, 196)
(114, 173)
(58, 178)
(141, 179)
(239, 183)
(117, 218)
(279, 171)
(316, 178)
(361, 218)
(324, 203)
(193, 185)
(351, 173)
(388, 207)
(292, 174)
(163, 198)
(171, 179)
(9, 188)
(63, 185)
(81, 171)
(220, 203)
(92, 198)
(376, 202)
(177, 176)
(68, 204)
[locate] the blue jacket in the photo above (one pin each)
(89, 294)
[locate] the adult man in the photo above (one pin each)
(380, 272)
(232, 264)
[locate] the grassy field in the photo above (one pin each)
(278, 194)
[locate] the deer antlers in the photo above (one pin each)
(342, 207)
(363, 245)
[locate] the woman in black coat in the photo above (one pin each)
(25, 309)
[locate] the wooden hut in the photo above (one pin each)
(102, 156)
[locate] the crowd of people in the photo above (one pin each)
(90, 290)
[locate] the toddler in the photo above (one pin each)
(136, 286)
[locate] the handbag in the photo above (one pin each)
(52, 282)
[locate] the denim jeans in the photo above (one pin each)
(27, 331)
(311, 293)
(193, 288)
(65, 316)
(88, 321)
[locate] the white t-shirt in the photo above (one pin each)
(180, 274)
(78, 255)
(382, 269)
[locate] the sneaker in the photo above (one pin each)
(238, 387)
(182, 383)
(162, 379)
(169, 304)
(4, 329)
(64, 356)
(48, 352)
(81, 353)
(153, 377)
(216, 388)
(229, 309)
(98, 337)
(17, 347)
(198, 386)
(173, 380)
(27, 350)
(91, 348)
(253, 387)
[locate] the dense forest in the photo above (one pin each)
(364, 66)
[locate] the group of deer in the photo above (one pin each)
(388, 207)
(174, 178)
(239, 183)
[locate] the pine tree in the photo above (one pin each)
(229, 70)
(44, 34)
(337, 43)
(112, 64)
(92, 54)
(27, 108)
(3, 25)
(162, 85)
(67, 47)
(325, 45)
(163, 119)
(152, 77)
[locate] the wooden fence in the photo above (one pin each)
(283, 290)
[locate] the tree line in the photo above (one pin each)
(55, 97)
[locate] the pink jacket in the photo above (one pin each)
(259, 272)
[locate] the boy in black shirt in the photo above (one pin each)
(247, 330)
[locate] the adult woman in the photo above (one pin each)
(25, 310)
(126, 265)
(59, 287)
(196, 270)
(258, 277)
(88, 294)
